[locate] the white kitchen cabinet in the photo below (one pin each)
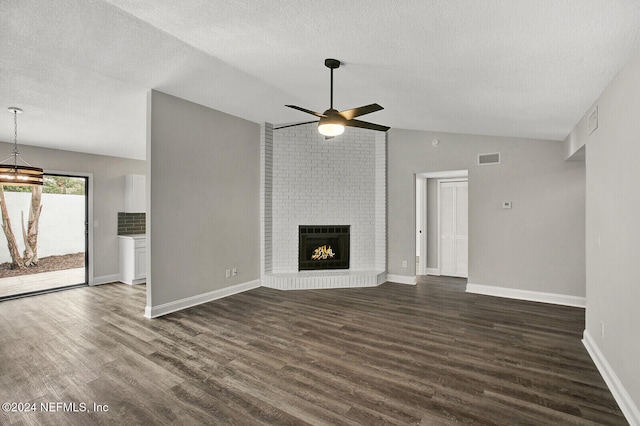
(135, 190)
(133, 258)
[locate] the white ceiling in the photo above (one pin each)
(81, 69)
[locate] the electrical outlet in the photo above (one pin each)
(234, 272)
(228, 273)
(404, 263)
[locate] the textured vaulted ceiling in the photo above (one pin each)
(81, 69)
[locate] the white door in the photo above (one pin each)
(454, 239)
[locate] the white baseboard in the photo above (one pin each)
(433, 271)
(105, 279)
(532, 296)
(167, 308)
(628, 407)
(401, 279)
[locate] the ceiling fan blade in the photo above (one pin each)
(296, 124)
(366, 125)
(317, 114)
(349, 114)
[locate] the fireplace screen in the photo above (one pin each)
(323, 247)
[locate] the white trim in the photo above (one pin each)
(148, 309)
(177, 305)
(401, 279)
(532, 296)
(622, 397)
(105, 279)
(450, 174)
(135, 282)
(438, 231)
(458, 179)
(421, 223)
(433, 271)
(441, 175)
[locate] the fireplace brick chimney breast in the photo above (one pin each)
(310, 180)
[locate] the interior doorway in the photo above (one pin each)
(61, 259)
(429, 260)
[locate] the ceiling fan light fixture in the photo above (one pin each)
(330, 129)
(332, 124)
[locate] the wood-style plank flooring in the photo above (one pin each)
(428, 354)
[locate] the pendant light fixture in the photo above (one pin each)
(13, 174)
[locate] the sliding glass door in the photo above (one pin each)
(44, 240)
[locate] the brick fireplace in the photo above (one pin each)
(306, 179)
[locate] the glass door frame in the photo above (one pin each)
(88, 225)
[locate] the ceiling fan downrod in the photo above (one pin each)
(331, 64)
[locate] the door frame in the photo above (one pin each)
(89, 225)
(448, 174)
(421, 223)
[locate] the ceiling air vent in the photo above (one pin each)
(486, 159)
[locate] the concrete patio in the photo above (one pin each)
(42, 281)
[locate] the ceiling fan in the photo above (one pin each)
(332, 122)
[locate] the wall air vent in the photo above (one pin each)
(486, 159)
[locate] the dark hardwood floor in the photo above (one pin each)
(428, 354)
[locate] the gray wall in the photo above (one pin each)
(108, 195)
(536, 246)
(204, 180)
(613, 225)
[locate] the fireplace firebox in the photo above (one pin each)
(323, 247)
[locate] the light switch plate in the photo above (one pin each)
(506, 204)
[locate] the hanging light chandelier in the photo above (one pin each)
(13, 174)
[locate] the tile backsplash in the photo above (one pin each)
(131, 223)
